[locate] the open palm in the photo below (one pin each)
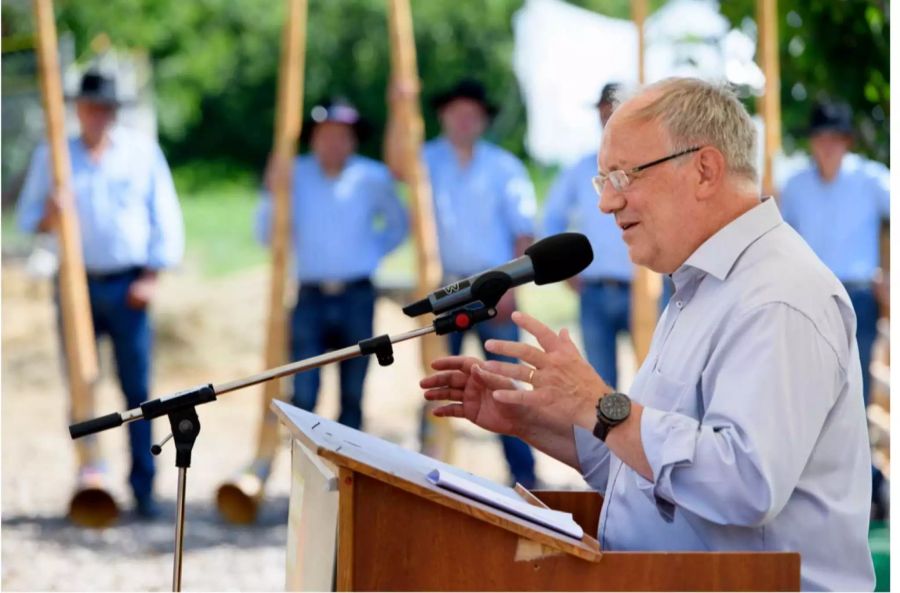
(469, 389)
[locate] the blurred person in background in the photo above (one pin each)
(838, 204)
(484, 207)
(345, 217)
(131, 228)
(604, 287)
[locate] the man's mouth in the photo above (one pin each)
(627, 225)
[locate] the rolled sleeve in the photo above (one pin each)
(33, 197)
(881, 181)
(519, 201)
(787, 202)
(739, 465)
(556, 208)
(166, 247)
(396, 222)
(263, 223)
(593, 459)
(669, 441)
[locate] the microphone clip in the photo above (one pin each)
(462, 318)
(488, 288)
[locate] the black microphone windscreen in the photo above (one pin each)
(558, 257)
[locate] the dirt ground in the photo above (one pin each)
(207, 331)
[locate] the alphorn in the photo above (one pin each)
(646, 286)
(438, 432)
(238, 499)
(91, 505)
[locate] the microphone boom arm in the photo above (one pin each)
(490, 286)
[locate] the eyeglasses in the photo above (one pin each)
(620, 179)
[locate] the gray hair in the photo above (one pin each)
(696, 112)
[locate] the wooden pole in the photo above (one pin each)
(646, 286)
(78, 330)
(238, 499)
(288, 123)
(770, 103)
(412, 133)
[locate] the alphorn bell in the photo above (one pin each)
(238, 499)
(91, 505)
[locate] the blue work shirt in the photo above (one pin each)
(753, 422)
(341, 226)
(127, 209)
(573, 204)
(481, 208)
(840, 220)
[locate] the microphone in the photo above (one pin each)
(551, 259)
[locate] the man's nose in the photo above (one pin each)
(611, 200)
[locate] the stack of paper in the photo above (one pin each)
(556, 520)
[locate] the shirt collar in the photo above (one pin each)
(718, 254)
(113, 137)
(477, 149)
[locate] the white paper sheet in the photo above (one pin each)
(555, 520)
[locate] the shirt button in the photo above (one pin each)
(679, 304)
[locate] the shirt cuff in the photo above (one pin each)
(593, 458)
(162, 261)
(669, 440)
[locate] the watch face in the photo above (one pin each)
(615, 406)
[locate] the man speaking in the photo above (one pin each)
(744, 428)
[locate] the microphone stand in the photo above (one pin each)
(180, 407)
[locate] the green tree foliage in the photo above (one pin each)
(216, 61)
(837, 49)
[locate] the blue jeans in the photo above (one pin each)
(866, 307)
(132, 339)
(605, 311)
(518, 454)
(323, 322)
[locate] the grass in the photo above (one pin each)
(218, 202)
(13, 239)
(219, 228)
(880, 543)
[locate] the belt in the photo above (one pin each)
(334, 288)
(117, 275)
(607, 282)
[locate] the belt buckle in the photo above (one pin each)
(332, 288)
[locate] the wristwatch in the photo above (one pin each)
(612, 410)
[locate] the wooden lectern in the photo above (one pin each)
(394, 530)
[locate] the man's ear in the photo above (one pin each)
(710, 166)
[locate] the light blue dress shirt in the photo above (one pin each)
(754, 424)
(840, 220)
(480, 208)
(573, 204)
(341, 226)
(128, 212)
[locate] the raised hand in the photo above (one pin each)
(566, 387)
(463, 382)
